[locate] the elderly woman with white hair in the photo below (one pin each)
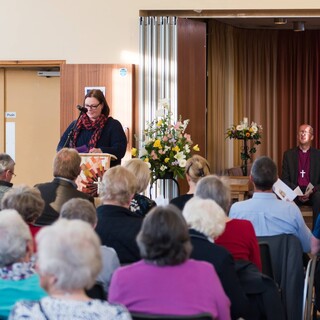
(84, 210)
(69, 261)
(206, 221)
(18, 279)
(239, 236)
(166, 281)
(140, 204)
(117, 226)
(240, 241)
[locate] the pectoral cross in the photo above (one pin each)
(98, 183)
(302, 172)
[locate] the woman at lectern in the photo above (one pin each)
(95, 131)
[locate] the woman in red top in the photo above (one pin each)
(238, 237)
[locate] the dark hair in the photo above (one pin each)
(98, 94)
(264, 173)
(164, 238)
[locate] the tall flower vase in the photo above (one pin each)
(245, 157)
(167, 186)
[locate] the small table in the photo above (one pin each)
(239, 187)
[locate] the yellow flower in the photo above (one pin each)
(166, 160)
(146, 160)
(157, 144)
(176, 149)
(196, 148)
(159, 123)
(134, 152)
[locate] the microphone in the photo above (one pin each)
(82, 109)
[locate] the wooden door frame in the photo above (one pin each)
(27, 64)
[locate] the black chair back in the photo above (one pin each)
(144, 316)
(287, 264)
(266, 260)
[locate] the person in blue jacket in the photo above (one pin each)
(95, 131)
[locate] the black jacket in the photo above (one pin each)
(117, 228)
(55, 194)
(223, 263)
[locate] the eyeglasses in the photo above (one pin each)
(92, 106)
(304, 132)
(12, 173)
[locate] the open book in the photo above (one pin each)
(286, 193)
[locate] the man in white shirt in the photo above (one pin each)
(268, 214)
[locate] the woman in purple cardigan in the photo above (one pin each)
(166, 281)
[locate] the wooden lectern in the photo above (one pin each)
(93, 166)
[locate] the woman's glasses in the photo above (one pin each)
(92, 106)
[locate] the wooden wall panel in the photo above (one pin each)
(119, 91)
(192, 80)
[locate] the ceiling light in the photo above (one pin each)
(280, 20)
(298, 26)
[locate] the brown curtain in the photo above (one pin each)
(271, 77)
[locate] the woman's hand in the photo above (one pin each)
(95, 150)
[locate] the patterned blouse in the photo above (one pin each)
(141, 204)
(17, 271)
(49, 308)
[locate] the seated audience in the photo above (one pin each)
(6, 173)
(69, 261)
(66, 168)
(238, 237)
(206, 220)
(197, 167)
(82, 209)
(252, 292)
(140, 204)
(117, 226)
(18, 279)
(166, 281)
(29, 204)
(268, 214)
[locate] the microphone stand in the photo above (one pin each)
(70, 135)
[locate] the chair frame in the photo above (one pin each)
(308, 290)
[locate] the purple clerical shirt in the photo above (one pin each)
(303, 168)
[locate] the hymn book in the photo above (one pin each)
(286, 193)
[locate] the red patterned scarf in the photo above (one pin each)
(86, 124)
